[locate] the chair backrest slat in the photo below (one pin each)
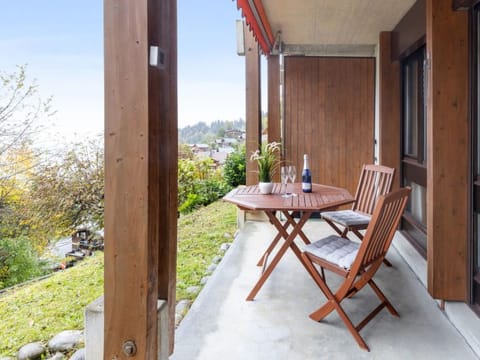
(375, 180)
(382, 227)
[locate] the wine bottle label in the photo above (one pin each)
(306, 186)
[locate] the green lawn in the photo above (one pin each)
(38, 311)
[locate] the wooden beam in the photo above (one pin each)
(274, 122)
(447, 151)
(390, 108)
(163, 150)
(140, 173)
(253, 104)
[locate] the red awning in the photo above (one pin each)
(256, 19)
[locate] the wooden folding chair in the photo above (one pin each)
(375, 180)
(356, 262)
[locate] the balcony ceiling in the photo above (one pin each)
(314, 23)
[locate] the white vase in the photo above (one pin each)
(265, 187)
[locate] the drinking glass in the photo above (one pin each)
(292, 174)
(284, 176)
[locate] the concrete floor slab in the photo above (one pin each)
(222, 325)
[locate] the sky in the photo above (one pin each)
(62, 44)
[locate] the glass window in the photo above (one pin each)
(414, 171)
(410, 110)
(417, 203)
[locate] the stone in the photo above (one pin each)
(66, 340)
(78, 355)
(31, 351)
(224, 247)
(178, 319)
(57, 356)
(227, 235)
(193, 289)
(217, 259)
(182, 307)
(211, 268)
(204, 280)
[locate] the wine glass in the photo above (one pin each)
(292, 174)
(284, 174)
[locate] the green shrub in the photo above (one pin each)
(234, 170)
(199, 184)
(19, 262)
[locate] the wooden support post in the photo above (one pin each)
(253, 104)
(274, 123)
(163, 150)
(140, 173)
(448, 150)
(390, 109)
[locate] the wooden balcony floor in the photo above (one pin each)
(222, 325)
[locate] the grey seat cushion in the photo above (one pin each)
(335, 249)
(346, 217)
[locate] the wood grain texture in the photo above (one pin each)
(329, 114)
(128, 266)
(447, 151)
(274, 131)
(409, 34)
(389, 107)
(163, 153)
(274, 122)
(253, 105)
(140, 174)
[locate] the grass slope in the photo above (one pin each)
(38, 311)
(200, 235)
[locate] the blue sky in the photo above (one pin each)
(62, 43)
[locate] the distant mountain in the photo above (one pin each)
(201, 133)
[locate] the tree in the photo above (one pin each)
(68, 193)
(22, 111)
(23, 114)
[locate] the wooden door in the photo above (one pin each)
(329, 115)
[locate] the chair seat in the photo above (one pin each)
(335, 249)
(347, 218)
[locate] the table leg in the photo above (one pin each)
(263, 258)
(289, 242)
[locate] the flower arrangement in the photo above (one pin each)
(267, 158)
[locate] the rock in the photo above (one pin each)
(178, 318)
(224, 247)
(57, 356)
(78, 355)
(204, 280)
(66, 340)
(217, 259)
(31, 351)
(182, 307)
(193, 289)
(211, 268)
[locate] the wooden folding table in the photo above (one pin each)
(321, 198)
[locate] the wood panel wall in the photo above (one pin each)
(329, 115)
(140, 174)
(253, 105)
(389, 107)
(447, 151)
